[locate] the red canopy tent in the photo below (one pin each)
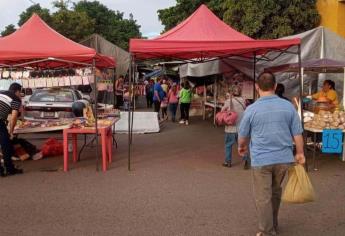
(37, 44)
(204, 35)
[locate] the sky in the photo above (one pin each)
(144, 11)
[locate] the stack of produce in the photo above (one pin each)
(325, 120)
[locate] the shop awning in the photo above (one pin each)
(36, 41)
(203, 35)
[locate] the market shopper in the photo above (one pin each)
(173, 101)
(10, 102)
(185, 97)
(158, 96)
(236, 104)
(271, 125)
(164, 107)
(119, 91)
(165, 86)
(149, 93)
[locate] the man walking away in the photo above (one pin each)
(158, 96)
(9, 104)
(270, 124)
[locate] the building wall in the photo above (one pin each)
(332, 15)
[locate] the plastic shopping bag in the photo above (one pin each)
(298, 188)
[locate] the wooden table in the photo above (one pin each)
(106, 142)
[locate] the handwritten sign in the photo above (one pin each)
(332, 141)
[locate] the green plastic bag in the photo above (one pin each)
(298, 188)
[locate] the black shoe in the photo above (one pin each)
(246, 165)
(15, 171)
(227, 164)
(2, 172)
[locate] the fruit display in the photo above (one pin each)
(325, 120)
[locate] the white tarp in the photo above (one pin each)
(315, 44)
(143, 122)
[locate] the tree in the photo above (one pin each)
(72, 24)
(36, 8)
(271, 18)
(172, 16)
(79, 20)
(8, 30)
(110, 24)
(259, 19)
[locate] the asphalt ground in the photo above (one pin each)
(177, 186)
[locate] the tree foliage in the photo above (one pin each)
(79, 20)
(271, 18)
(172, 16)
(260, 19)
(8, 30)
(73, 24)
(44, 13)
(109, 23)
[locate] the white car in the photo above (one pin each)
(51, 103)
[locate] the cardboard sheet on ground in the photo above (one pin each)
(143, 122)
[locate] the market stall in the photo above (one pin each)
(37, 47)
(202, 37)
(317, 114)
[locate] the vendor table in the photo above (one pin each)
(40, 129)
(106, 134)
(314, 133)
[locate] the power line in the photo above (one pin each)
(32, 1)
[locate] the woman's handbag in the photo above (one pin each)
(226, 118)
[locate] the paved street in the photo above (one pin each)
(177, 187)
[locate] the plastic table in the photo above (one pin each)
(106, 141)
(314, 132)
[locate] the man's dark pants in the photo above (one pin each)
(267, 189)
(157, 107)
(6, 147)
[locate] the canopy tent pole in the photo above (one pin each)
(254, 77)
(129, 113)
(344, 91)
(95, 111)
(215, 95)
(300, 105)
(301, 80)
(132, 100)
(53, 59)
(205, 99)
(301, 72)
(343, 155)
(114, 89)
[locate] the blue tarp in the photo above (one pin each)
(154, 73)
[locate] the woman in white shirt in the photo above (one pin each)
(234, 103)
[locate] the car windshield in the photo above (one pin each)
(52, 96)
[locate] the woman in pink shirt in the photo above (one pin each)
(173, 101)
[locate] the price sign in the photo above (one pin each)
(332, 141)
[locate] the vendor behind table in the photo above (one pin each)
(327, 96)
